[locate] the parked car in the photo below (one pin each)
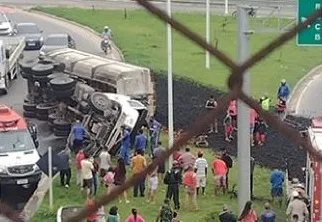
(56, 41)
(6, 27)
(31, 32)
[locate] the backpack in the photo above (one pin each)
(166, 214)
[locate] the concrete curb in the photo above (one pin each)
(80, 26)
(300, 86)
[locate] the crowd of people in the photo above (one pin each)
(188, 172)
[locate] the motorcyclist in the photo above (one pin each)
(283, 90)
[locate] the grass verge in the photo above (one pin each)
(210, 205)
(142, 39)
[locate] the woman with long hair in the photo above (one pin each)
(248, 214)
(120, 177)
(135, 217)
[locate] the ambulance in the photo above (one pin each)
(18, 149)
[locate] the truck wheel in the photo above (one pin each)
(42, 116)
(42, 69)
(29, 114)
(61, 94)
(59, 67)
(26, 66)
(40, 78)
(44, 108)
(52, 117)
(46, 61)
(31, 107)
(56, 75)
(26, 75)
(62, 83)
(60, 133)
(99, 102)
(62, 125)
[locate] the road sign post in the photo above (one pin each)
(312, 35)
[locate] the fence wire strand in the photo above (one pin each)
(235, 85)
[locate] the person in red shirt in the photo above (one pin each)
(219, 169)
(94, 216)
(228, 126)
(79, 157)
(233, 110)
(252, 117)
(190, 183)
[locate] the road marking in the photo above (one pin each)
(303, 92)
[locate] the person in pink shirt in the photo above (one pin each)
(187, 159)
(253, 116)
(232, 109)
(190, 183)
(219, 169)
(135, 217)
(79, 157)
(248, 214)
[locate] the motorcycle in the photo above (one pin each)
(106, 46)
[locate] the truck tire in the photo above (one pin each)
(29, 114)
(46, 61)
(60, 133)
(26, 66)
(59, 67)
(52, 117)
(44, 108)
(42, 69)
(56, 75)
(99, 102)
(30, 107)
(62, 83)
(62, 125)
(27, 76)
(40, 78)
(42, 116)
(61, 94)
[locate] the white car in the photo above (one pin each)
(6, 27)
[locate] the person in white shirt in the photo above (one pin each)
(201, 166)
(104, 162)
(87, 175)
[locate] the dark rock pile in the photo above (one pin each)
(189, 100)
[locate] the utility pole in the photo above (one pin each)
(226, 7)
(50, 175)
(207, 32)
(243, 134)
(170, 84)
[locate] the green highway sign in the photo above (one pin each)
(312, 35)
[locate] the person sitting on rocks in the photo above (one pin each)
(202, 141)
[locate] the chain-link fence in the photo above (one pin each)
(234, 82)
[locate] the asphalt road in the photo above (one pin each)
(286, 10)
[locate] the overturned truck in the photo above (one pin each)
(104, 93)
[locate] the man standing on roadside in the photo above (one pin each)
(277, 181)
(155, 129)
(229, 163)
(187, 159)
(283, 90)
(173, 179)
(104, 162)
(201, 167)
(219, 170)
(159, 151)
(138, 165)
(125, 145)
(78, 132)
(265, 102)
(65, 172)
(140, 141)
(87, 167)
(268, 215)
(210, 105)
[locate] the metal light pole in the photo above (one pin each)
(243, 134)
(170, 86)
(226, 7)
(207, 32)
(50, 175)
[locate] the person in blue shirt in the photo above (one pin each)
(140, 141)
(78, 132)
(283, 90)
(155, 129)
(277, 181)
(268, 215)
(126, 145)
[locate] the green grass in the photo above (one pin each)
(209, 204)
(142, 38)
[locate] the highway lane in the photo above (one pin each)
(287, 10)
(85, 41)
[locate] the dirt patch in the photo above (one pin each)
(189, 100)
